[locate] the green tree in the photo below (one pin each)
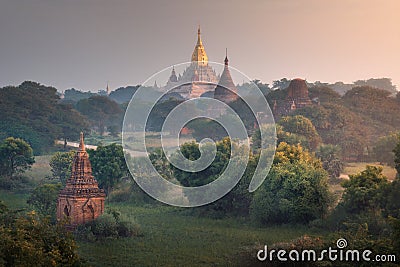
(397, 158)
(362, 191)
(206, 128)
(108, 164)
(60, 164)
(289, 138)
(301, 126)
(161, 164)
(101, 111)
(381, 83)
(44, 199)
(329, 156)
(389, 199)
(295, 190)
(280, 84)
(33, 112)
(114, 130)
(237, 201)
(69, 121)
(159, 113)
(270, 137)
(324, 94)
(31, 240)
(16, 156)
(191, 151)
(383, 149)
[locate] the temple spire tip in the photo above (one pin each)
(81, 142)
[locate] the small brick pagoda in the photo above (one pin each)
(81, 200)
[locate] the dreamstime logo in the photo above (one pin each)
(341, 243)
(330, 254)
(145, 106)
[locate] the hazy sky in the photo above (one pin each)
(85, 43)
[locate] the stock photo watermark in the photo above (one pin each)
(338, 253)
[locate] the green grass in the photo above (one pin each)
(40, 169)
(171, 238)
(357, 167)
(14, 200)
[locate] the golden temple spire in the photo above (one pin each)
(81, 143)
(199, 54)
(199, 42)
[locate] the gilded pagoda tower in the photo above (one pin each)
(81, 200)
(199, 54)
(197, 78)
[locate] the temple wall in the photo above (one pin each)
(79, 210)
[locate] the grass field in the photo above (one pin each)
(14, 200)
(171, 238)
(40, 169)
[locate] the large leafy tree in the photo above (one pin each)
(16, 156)
(376, 107)
(44, 199)
(301, 126)
(159, 113)
(101, 111)
(237, 201)
(295, 190)
(31, 240)
(381, 83)
(362, 191)
(383, 149)
(108, 164)
(60, 164)
(331, 162)
(32, 111)
(191, 151)
(69, 121)
(323, 94)
(206, 128)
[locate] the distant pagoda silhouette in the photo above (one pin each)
(296, 98)
(81, 200)
(226, 90)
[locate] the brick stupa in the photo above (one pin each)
(81, 200)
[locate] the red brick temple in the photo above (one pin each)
(81, 200)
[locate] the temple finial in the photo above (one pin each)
(199, 42)
(108, 91)
(81, 143)
(226, 56)
(199, 54)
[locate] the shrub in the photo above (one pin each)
(108, 225)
